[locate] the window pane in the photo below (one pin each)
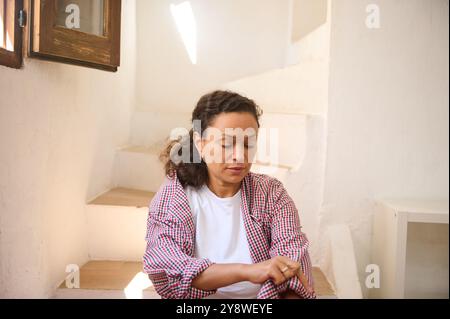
(2, 24)
(10, 34)
(8, 17)
(81, 15)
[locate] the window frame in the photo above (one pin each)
(56, 43)
(13, 59)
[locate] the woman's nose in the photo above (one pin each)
(238, 154)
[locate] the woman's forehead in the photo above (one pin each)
(230, 133)
(234, 120)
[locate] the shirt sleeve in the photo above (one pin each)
(268, 291)
(169, 268)
(288, 240)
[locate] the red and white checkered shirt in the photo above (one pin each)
(272, 225)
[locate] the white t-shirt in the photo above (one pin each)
(221, 236)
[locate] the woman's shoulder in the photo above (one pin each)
(268, 190)
(169, 193)
(263, 182)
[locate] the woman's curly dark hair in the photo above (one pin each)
(208, 107)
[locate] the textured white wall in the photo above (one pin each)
(307, 15)
(59, 128)
(388, 111)
(302, 86)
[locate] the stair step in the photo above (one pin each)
(117, 222)
(108, 275)
(322, 286)
(118, 279)
(139, 167)
(124, 197)
(111, 280)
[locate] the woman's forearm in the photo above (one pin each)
(220, 275)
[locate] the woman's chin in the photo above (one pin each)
(235, 177)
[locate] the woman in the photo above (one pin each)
(216, 230)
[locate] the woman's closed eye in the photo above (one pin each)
(230, 146)
(227, 146)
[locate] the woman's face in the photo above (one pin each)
(228, 146)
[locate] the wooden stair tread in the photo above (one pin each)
(116, 275)
(108, 275)
(321, 284)
(124, 197)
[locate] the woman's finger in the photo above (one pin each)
(301, 276)
(286, 270)
(291, 263)
(296, 268)
(277, 276)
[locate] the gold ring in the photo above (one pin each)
(284, 269)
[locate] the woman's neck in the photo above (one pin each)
(221, 189)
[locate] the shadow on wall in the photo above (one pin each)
(307, 16)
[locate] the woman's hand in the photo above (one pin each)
(279, 269)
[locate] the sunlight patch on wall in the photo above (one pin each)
(6, 27)
(185, 21)
(2, 30)
(9, 43)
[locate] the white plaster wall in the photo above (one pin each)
(302, 86)
(152, 128)
(338, 261)
(307, 15)
(309, 31)
(388, 111)
(59, 128)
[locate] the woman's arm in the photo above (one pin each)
(278, 269)
(166, 262)
(288, 240)
(220, 275)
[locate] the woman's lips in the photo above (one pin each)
(236, 170)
